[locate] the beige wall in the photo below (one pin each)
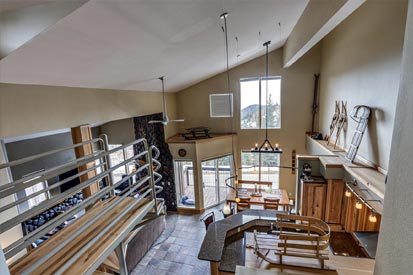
(28, 109)
(361, 65)
(296, 99)
(314, 16)
(119, 131)
(395, 253)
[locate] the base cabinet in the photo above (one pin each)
(334, 200)
(313, 198)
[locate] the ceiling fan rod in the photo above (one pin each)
(161, 78)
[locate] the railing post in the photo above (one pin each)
(108, 163)
(4, 269)
(151, 174)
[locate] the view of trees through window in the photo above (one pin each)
(255, 105)
(261, 167)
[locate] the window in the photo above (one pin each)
(254, 103)
(261, 167)
(118, 157)
(35, 189)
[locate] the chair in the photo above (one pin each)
(243, 204)
(208, 219)
(230, 213)
(271, 203)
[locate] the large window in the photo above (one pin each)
(261, 167)
(255, 105)
(120, 156)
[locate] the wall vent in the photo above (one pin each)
(220, 105)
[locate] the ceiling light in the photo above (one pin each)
(373, 218)
(266, 146)
(347, 193)
(359, 205)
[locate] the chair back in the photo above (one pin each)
(208, 219)
(232, 209)
(271, 203)
(243, 204)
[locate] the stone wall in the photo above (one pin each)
(155, 135)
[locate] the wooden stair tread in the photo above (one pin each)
(112, 262)
(98, 272)
(97, 250)
(83, 263)
(34, 255)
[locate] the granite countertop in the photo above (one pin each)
(214, 240)
(368, 239)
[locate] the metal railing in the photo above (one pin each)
(144, 187)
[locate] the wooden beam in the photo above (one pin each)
(80, 134)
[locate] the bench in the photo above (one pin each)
(294, 236)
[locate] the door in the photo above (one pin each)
(184, 180)
(214, 174)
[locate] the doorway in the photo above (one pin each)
(214, 173)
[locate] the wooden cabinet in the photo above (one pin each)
(334, 201)
(313, 198)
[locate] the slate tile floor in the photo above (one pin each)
(176, 250)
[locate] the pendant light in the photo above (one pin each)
(224, 16)
(266, 146)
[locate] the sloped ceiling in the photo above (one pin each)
(125, 44)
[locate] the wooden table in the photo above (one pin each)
(276, 193)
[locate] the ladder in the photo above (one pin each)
(361, 115)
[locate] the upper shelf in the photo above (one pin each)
(364, 173)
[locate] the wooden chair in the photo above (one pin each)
(271, 203)
(243, 204)
(208, 219)
(232, 210)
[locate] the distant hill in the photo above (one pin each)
(250, 116)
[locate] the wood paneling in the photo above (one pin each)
(313, 199)
(80, 134)
(335, 194)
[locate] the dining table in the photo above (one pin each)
(257, 198)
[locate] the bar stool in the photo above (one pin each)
(243, 204)
(271, 203)
(208, 219)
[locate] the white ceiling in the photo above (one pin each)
(126, 44)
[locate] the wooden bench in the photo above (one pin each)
(295, 236)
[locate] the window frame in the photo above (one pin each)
(260, 166)
(260, 91)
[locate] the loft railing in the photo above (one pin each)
(144, 189)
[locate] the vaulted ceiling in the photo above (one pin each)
(125, 44)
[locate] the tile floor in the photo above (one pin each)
(176, 250)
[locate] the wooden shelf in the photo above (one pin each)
(366, 175)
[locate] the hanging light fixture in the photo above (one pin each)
(347, 193)
(224, 16)
(266, 146)
(359, 205)
(373, 218)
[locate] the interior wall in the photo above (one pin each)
(361, 65)
(28, 109)
(119, 131)
(296, 99)
(394, 252)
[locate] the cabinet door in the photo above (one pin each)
(335, 193)
(313, 204)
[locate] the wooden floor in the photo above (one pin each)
(210, 195)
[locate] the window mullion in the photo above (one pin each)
(259, 105)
